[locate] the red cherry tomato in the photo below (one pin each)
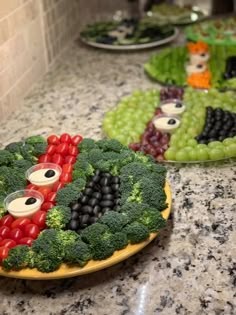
(76, 139)
(26, 241)
(3, 253)
(39, 219)
(70, 159)
(57, 186)
(1, 238)
(47, 206)
(53, 139)
(58, 159)
(51, 149)
(63, 148)
(20, 223)
(44, 158)
(6, 220)
(8, 243)
(67, 168)
(31, 230)
(51, 197)
(32, 187)
(16, 234)
(44, 191)
(4, 231)
(65, 177)
(65, 138)
(73, 150)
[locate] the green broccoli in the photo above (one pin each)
(22, 165)
(6, 158)
(58, 217)
(79, 182)
(44, 263)
(135, 170)
(114, 220)
(119, 240)
(3, 211)
(39, 148)
(102, 249)
(87, 144)
(35, 140)
(18, 257)
(67, 195)
(11, 180)
(94, 232)
(83, 166)
(67, 237)
(110, 145)
(77, 174)
(27, 151)
(136, 232)
(15, 149)
(78, 253)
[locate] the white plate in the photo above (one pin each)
(132, 47)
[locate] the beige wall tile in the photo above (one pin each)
(4, 31)
(8, 6)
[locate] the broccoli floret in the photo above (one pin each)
(58, 217)
(18, 257)
(6, 158)
(11, 180)
(67, 195)
(22, 165)
(39, 148)
(94, 232)
(67, 237)
(135, 170)
(79, 182)
(3, 211)
(86, 145)
(114, 220)
(136, 232)
(44, 263)
(83, 166)
(119, 240)
(35, 140)
(136, 194)
(15, 149)
(78, 253)
(110, 145)
(27, 151)
(78, 173)
(102, 249)
(132, 210)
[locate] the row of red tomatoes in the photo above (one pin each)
(60, 150)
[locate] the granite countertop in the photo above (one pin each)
(191, 267)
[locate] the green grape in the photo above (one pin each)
(192, 143)
(202, 154)
(170, 154)
(228, 141)
(232, 149)
(215, 144)
(216, 154)
(182, 155)
(193, 156)
(201, 146)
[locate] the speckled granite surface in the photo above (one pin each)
(191, 267)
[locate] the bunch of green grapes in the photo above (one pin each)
(183, 146)
(128, 120)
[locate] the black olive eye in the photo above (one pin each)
(178, 105)
(49, 173)
(171, 122)
(30, 201)
(199, 66)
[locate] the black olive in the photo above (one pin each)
(30, 201)
(75, 206)
(84, 199)
(106, 190)
(92, 220)
(90, 184)
(73, 225)
(106, 203)
(88, 191)
(106, 175)
(178, 105)
(221, 138)
(116, 194)
(115, 180)
(97, 195)
(105, 210)
(93, 202)
(98, 172)
(87, 209)
(115, 187)
(117, 201)
(171, 121)
(49, 173)
(108, 197)
(96, 178)
(85, 219)
(74, 215)
(105, 181)
(96, 210)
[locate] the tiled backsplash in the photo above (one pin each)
(32, 34)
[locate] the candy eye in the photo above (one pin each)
(50, 173)
(165, 123)
(178, 105)
(199, 66)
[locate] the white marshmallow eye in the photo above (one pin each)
(197, 58)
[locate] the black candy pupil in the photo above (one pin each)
(49, 173)
(171, 121)
(199, 66)
(30, 201)
(178, 105)
(203, 55)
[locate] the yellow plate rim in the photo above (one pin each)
(66, 271)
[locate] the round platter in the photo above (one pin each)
(132, 47)
(66, 272)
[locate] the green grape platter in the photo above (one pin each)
(207, 129)
(168, 66)
(215, 32)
